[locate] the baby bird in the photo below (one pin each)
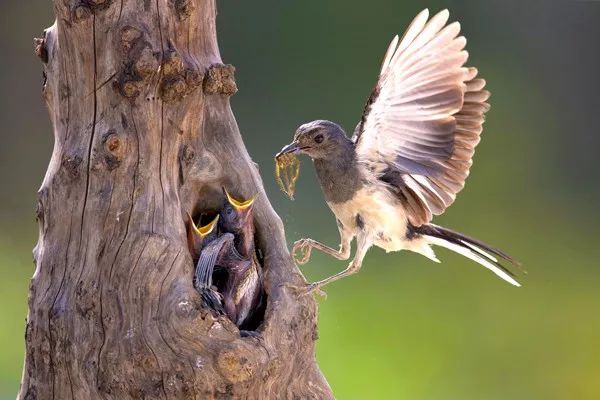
(232, 250)
(205, 248)
(243, 288)
(197, 237)
(409, 156)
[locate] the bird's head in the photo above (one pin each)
(317, 139)
(197, 235)
(236, 214)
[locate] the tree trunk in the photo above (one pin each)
(139, 102)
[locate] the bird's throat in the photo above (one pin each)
(339, 176)
(244, 242)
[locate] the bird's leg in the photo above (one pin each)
(363, 244)
(305, 246)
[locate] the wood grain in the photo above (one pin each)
(139, 101)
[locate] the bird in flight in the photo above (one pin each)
(409, 156)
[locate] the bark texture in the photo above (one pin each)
(139, 101)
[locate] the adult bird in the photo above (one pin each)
(409, 156)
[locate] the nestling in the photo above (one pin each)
(232, 250)
(409, 156)
(243, 290)
(198, 237)
(201, 242)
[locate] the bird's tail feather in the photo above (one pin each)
(473, 249)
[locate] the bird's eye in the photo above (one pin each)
(319, 138)
(228, 210)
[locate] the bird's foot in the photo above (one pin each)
(303, 290)
(304, 247)
(316, 289)
(212, 300)
(250, 334)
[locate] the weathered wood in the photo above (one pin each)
(139, 101)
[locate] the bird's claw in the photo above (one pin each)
(302, 245)
(314, 288)
(250, 334)
(303, 290)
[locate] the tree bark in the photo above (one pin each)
(139, 102)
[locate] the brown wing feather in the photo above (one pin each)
(469, 125)
(423, 119)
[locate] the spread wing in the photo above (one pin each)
(423, 119)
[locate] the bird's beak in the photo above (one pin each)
(197, 234)
(202, 231)
(290, 148)
(206, 229)
(240, 205)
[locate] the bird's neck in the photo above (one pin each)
(338, 174)
(244, 242)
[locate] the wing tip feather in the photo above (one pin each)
(445, 13)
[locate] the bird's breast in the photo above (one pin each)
(247, 285)
(377, 213)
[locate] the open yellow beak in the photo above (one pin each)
(240, 205)
(202, 231)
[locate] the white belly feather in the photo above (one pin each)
(384, 218)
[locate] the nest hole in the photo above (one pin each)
(257, 315)
(221, 275)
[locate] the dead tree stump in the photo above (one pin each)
(139, 101)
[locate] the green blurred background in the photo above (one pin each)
(404, 328)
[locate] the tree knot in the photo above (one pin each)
(141, 63)
(183, 8)
(179, 77)
(114, 148)
(40, 48)
(86, 7)
(220, 79)
(129, 35)
(71, 165)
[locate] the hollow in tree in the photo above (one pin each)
(139, 102)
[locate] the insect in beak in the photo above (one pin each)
(240, 205)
